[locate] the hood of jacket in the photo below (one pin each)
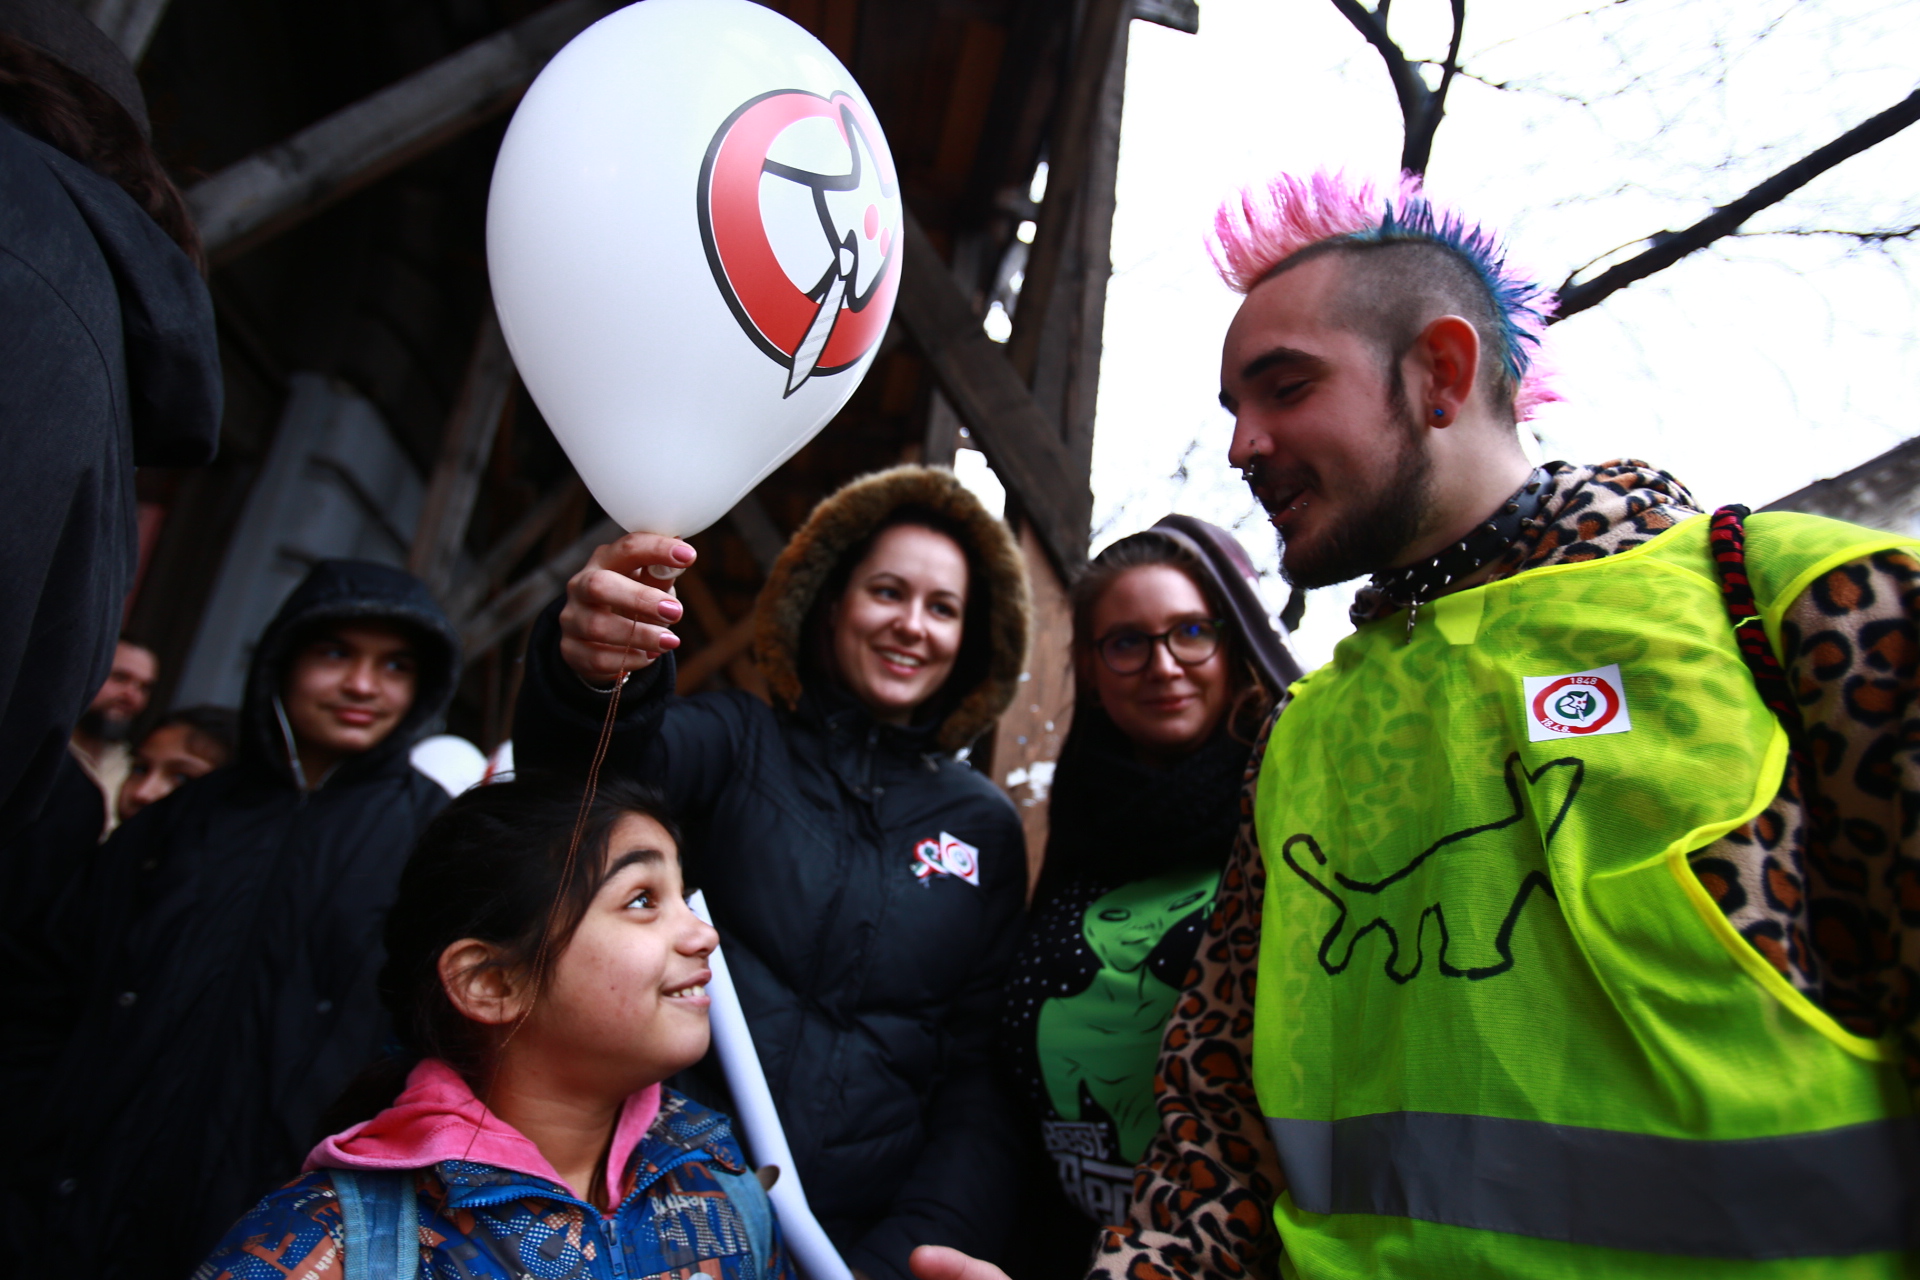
(173, 390)
(360, 591)
(1234, 576)
(437, 1117)
(838, 525)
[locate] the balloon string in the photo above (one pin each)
(542, 956)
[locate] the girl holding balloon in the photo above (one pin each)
(867, 884)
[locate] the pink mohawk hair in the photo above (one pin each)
(1262, 226)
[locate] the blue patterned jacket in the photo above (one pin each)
(478, 1222)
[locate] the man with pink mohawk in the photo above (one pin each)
(1575, 929)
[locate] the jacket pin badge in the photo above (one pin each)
(947, 856)
(1576, 706)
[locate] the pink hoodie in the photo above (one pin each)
(436, 1117)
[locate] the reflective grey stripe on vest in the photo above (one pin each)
(1826, 1194)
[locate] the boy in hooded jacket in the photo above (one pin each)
(226, 943)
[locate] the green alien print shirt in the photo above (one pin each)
(1086, 1005)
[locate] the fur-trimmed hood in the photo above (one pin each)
(844, 519)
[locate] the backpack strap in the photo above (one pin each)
(749, 1200)
(1727, 541)
(382, 1223)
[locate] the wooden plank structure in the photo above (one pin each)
(340, 153)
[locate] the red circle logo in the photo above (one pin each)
(1576, 704)
(800, 215)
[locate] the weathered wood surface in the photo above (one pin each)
(516, 606)
(520, 603)
(1882, 492)
(1070, 149)
(466, 594)
(1181, 15)
(255, 198)
(1028, 737)
(764, 540)
(727, 642)
(464, 450)
(1020, 440)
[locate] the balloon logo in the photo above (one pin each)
(808, 258)
(694, 242)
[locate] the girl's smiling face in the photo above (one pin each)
(625, 1003)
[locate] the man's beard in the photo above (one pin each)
(1373, 535)
(103, 725)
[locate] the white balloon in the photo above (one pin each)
(694, 239)
(451, 761)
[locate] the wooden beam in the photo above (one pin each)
(464, 596)
(464, 450)
(941, 443)
(1067, 154)
(1181, 15)
(128, 23)
(724, 641)
(723, 651)
(1882, 492)
(756, 528)
(271, 190)
(1095, 253)
(520, 603)
(1028, 737)
(1020, 440)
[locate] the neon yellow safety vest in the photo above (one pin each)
(1501, 1030)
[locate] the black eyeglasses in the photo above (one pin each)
(1128, 653)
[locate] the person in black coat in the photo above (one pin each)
(107, 359)
(229, 939)
(867, 884)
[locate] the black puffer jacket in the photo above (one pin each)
(235, 930)
(871, 991)
(107, 359)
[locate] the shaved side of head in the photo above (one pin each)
(1391, 290)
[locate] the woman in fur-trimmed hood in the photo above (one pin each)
(867, 883)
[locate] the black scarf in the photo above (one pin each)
(1118, 820)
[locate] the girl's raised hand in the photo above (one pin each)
(617, 612)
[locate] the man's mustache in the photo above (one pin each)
(1275, 487)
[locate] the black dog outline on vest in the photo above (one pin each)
(1503, 941)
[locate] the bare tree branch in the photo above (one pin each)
(1668, 247)
(1869, 236)
(1420, 107)
(1514, 86)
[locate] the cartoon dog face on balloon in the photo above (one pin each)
(800, 217)
(694, 239)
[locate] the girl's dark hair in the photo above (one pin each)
(72, 114)
(494, 866)
(970, 667)
(1250, 699)
(218, 725)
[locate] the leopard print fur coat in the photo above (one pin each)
(1825, 883)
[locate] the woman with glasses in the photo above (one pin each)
(1177, 667)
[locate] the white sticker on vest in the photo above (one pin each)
(1576, 706)
(947, 856)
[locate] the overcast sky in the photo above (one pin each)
(1747, 370)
